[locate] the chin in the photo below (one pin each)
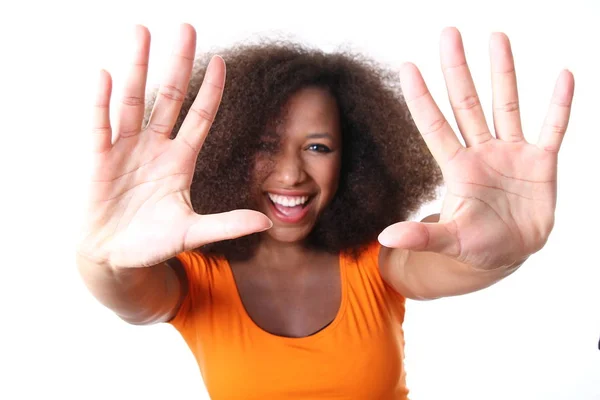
(288, 235)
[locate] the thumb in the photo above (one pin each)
(211, 228)
(437, 237)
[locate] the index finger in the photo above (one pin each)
(437, 133)
(202, 113)
(102, 131)
(557, 118)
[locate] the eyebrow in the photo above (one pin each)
(319, 136)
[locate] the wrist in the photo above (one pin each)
(101, 270)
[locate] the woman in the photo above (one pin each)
(299, 291)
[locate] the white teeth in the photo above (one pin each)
(288, 201)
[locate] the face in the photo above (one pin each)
(303, 172)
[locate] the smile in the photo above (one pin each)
(289, 209)
(288, 201)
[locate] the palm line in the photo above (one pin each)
(485, 204)
(514, 177)
(497, 188)
(139, 184)
(128, 172)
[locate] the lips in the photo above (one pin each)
(290, 215)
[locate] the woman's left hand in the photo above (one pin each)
(501, 190)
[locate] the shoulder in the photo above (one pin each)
(367, 275)
(195, 271)
(370, 253)
(199, 268)
(366, 255)
(191, 258)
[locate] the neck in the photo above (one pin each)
(283, 255)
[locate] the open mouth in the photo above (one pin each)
(289, 209)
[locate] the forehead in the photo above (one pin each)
(311, 110)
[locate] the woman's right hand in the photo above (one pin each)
(139, 212)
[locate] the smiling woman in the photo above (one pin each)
(306, 168)
(281, 98)
(299, 292)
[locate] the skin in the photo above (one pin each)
(308, 162)
(501, 197)
(498, 211)
(286, 289)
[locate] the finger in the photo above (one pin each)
(507, 114)
(102, 132)
(223, 226)
(202, 113)
(557, 118)
(430, 121)
(418, 236)
(172, 91)
(131, 113)
(461, 89)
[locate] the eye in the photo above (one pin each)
(320, 148)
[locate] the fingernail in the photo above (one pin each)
(384, 239)
(268, 227)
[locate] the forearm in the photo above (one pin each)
(426, 275)
(137, 295)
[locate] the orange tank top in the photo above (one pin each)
(358, 356)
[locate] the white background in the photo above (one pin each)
(532, 336)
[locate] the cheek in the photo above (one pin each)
(327, 173)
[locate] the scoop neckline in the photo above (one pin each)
(315, 336)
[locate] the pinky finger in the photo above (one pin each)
(102, 132)
(557, 118)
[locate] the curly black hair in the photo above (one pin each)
(387, 171)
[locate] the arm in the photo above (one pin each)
(428, 275)
(139, 296)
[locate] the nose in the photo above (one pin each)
(289, 169)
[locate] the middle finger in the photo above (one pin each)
(172, 92)
(461, 89)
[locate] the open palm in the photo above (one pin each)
(501, 190)
(139, 212)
